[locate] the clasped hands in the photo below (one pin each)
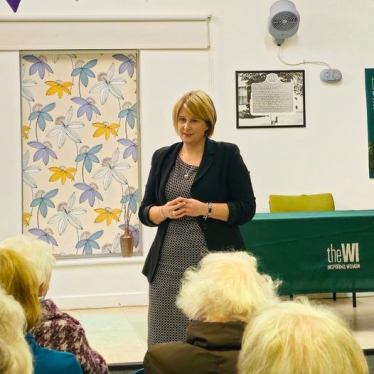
(182, 206)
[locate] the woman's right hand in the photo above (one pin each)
(174, 209)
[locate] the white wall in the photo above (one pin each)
(329, 155)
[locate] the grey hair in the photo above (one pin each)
(226, 285)
(296, 337)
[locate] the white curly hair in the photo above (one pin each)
(226, 286)
(296, 337)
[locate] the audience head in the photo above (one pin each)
(225, 286)
(297, 338)
(15, 355)
(38, 253)
(18, 279)
(198, 104)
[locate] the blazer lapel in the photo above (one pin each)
(207, 160)
(165, 171)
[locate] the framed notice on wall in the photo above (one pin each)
(270, 98)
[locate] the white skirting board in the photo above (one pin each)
(100, 301)
(99, 283)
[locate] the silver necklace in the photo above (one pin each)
(188, 168)
(188, 171)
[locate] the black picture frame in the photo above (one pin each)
(270, 99)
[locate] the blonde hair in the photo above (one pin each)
(200, 105)
(18, 278)
(295, 337)
(225, 285)
(37, 252)
(15, 355)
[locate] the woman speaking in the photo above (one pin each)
(198, 192)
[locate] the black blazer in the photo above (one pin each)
(222, 177)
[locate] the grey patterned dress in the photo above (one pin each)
(184, 245)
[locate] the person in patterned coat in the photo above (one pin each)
(55, 329)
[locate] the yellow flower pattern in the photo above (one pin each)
(62, 173)
(26, 219)
(107, 214)
(105, 129)
(59, 88)
(25, 131)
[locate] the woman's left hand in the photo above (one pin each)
(194, 208)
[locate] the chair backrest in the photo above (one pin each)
(323, 202)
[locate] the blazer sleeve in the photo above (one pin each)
(150, 194)
(242, 202)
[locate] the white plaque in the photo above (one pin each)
(272, 97)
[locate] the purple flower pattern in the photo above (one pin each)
(87, 107)
(38, 65)
(44, 235)
(44, 151)
(90, 193)
(131, 150)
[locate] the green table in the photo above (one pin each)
(315, 252)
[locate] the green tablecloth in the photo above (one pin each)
(315, 252)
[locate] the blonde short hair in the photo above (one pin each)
(200, 105)
(15, 355)
(37, 252)
(18, 279)
(225, 285)
(295, 337)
